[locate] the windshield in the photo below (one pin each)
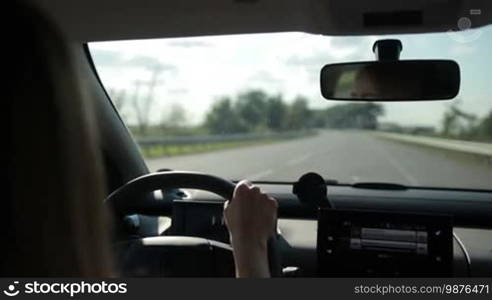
(249, 106)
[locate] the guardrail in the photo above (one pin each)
(209, 139)
(476, 148)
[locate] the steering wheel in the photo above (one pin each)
(131, 199)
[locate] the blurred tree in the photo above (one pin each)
(142, 106)
(457, 123)
(449, 123)
(368, 114)
(175, 117)
(256, 111)
(485, 127)
(251, 107)
(300, 115)
(353, 115)
(276, 113)
(223, 119)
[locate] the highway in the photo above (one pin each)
(347, 156)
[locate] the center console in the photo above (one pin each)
(356, 243)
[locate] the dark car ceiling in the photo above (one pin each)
(98, 20)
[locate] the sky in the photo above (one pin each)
(195, 71)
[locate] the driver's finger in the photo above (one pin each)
(241, 188)
(255, 190)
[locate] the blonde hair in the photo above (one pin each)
(56, 225)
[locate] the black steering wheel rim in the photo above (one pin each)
(128, 199)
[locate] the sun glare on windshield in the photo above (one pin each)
(249, 106)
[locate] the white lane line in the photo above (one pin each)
(399, 167)
(402, 170)
(259, 175)
(299, 160)
(395, 164)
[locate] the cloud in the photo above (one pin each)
(353, 42)
(149, 63)
(108, 58)
(178, 91)
(314, 61)
(189, 43)
(338, 49)
(264, 77)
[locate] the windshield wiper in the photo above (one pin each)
(379, 186)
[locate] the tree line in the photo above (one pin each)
(257, 111)
(252, 111)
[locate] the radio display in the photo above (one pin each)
(355, 243)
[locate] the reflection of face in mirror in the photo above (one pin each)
(365, 84)
(385, 82)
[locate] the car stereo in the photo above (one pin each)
(356, 243)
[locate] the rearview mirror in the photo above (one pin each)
(399, 80)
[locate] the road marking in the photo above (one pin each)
(393, 162)
(259, 175)
(299, 160)
(402, 170)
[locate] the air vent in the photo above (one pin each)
(394, 18)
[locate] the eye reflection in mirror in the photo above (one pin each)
(391, 81)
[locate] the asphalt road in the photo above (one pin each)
(347, 156)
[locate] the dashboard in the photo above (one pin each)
(370, 233)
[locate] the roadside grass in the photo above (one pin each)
(175, 150)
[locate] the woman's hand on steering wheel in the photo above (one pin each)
(251, 218)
